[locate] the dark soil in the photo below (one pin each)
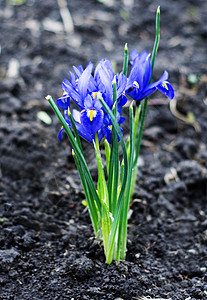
(47, 248)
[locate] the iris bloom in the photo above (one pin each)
(138, 86)
(85, 90)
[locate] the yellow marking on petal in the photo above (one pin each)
(94, 95)
(110, 126)
(61, 128)
(136, 83)
(91, 115)
(165, 86)
(64, 93)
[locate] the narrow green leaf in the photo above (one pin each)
(115, 150)
(102, 187)
(124, 220)
(105, 225)
(125, 64)
(157, 38)
(108, 154)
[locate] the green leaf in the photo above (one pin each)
(125, 64)
(122, 238)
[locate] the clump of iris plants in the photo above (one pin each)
(100, 96)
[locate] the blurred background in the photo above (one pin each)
(42, 220)
(40, 41)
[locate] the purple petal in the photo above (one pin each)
(164, 77)
(136, 74)
(166, 88)
(92, 126)
(84, 133)
(78, 70)
(107, 132)
(122, 119)
(148, 72)
(60, 133)
(134, 54)
(104, 76)
(147, 92)
(121, 82)
(143, 56)
(134, 93)
(64, 101)
(69, 89)
(84, 79)
(67, 119)
(76, 115)
(122, 100)
(88, 102)
(72, 79)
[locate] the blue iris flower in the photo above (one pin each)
(85, 90)
(138, 86)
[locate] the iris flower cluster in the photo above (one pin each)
(85, 90)
(100, 97)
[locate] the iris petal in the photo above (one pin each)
(121, 82)
(147, 92)
(76, 115)
(60, 133)
(93, 125)
(64, 101)
(148, 72)
(104, 76)
(134, 93)
(143, 56)
(85, 134)
(108, 87)
(167, 89)
(69, 89)
(107, 132)
(122, 119)
(88, 102)
(122, 100)
(62, 129)
(136, 74)
(72, 79)
(164, 77)
(149, 89)
(78, 70)
(134, 54)
(84, 79)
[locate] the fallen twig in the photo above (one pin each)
(66, 16)
(177, 114)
